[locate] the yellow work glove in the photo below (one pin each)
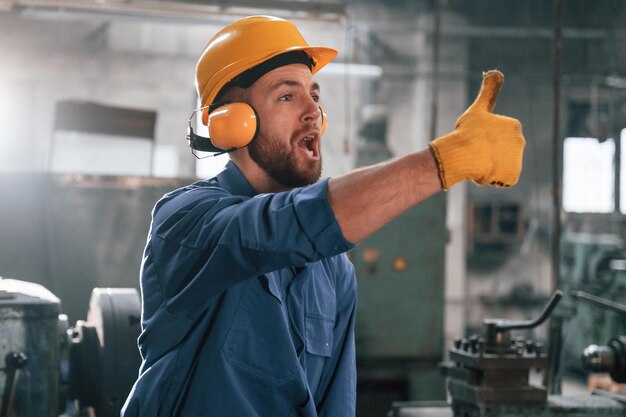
(484, 147)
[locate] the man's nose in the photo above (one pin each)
(312, 112)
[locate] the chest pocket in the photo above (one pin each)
(319, 334)
(258, 341)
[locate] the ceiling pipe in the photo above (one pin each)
(217, 11)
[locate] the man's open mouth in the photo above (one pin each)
(310, 145)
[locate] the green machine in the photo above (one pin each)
(400, 275)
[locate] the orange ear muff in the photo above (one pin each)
(232, 125)
(324, 121)
(205, 116)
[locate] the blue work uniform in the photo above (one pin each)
(248, 305)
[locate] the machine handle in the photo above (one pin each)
(502, 325)
(602, 302)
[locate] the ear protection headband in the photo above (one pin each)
(231, 126)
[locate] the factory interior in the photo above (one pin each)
(478, 302)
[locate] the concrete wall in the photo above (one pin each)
(127, 63)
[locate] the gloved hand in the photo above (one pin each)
(484, 147)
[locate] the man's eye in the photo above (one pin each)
(286, 97)
(316, 98)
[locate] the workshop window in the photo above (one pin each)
(588, 175)
(102, 139)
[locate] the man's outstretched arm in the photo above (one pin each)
(484, 147)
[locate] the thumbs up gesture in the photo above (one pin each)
(484, 147)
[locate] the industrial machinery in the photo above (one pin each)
(52, 369)
(494, 369)
(593, 264)
(610, 358)
(490, 376)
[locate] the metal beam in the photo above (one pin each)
(214, 10)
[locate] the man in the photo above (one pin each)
(248, 297)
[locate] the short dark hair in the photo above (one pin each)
(249, 77)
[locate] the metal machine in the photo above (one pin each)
(592, 264)
(490, 376)
(609, 358)
(52, 369)
(494, 369)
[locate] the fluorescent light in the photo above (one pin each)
(354, 70)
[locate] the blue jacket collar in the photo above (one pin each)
(232, 179)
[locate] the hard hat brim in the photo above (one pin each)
(321, 56)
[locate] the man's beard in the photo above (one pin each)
(278, 160)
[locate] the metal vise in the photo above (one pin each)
(494, 369)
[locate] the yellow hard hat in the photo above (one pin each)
(247, 43)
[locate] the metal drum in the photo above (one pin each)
(29, 350)
(103, 355)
